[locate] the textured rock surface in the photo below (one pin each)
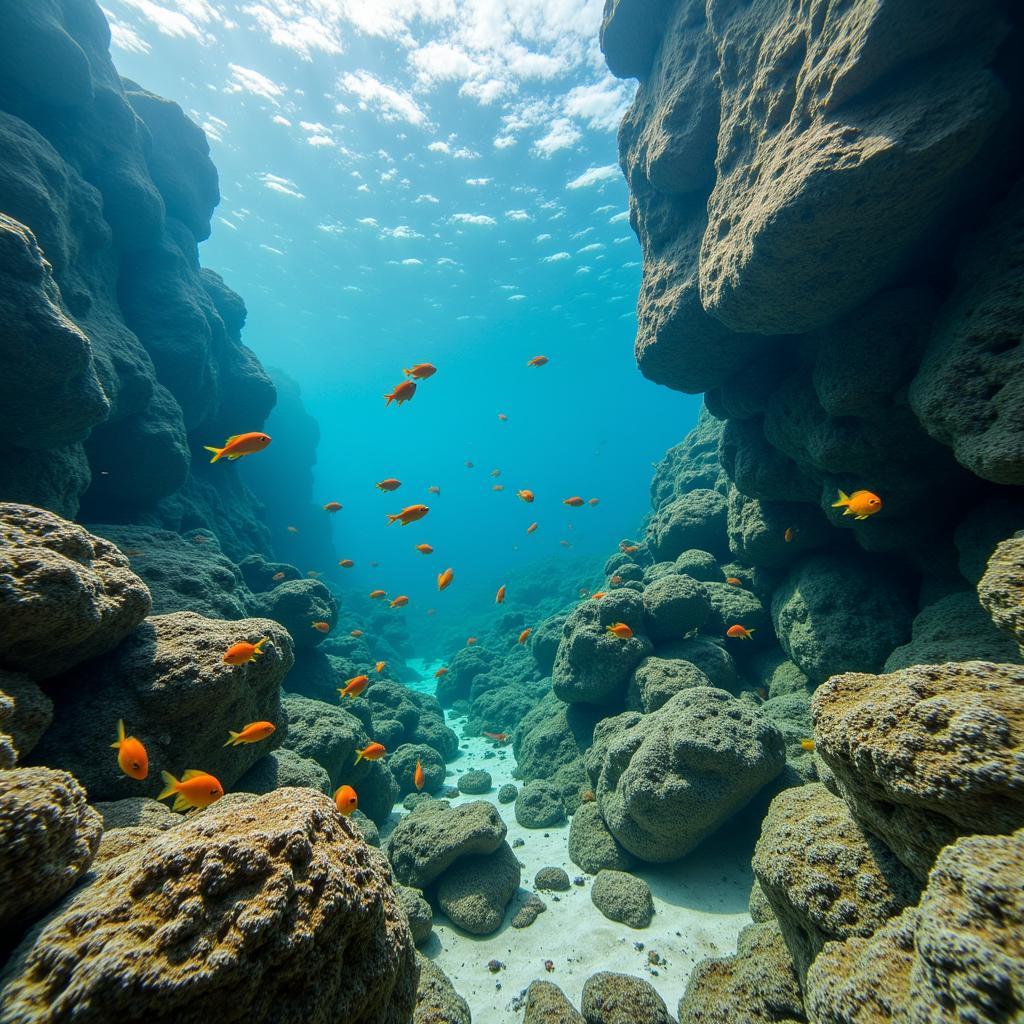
(622, 999)
(437, 1002)
(281, 768)
(539, 805)
(546, 1003)
(417, 911)
(297, 919)
(137, 811)
(623, 897)
(1001, 588)
(591, 846)
(696, 519)
(656, 680)
(553, 879)
(31, 713)
(476, 889)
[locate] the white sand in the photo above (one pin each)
(700, 906)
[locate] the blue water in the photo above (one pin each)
(396, 179)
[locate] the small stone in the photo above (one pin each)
(507, 793)
(553, 878)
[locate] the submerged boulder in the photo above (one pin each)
(591, 846)
(1001, 589)
(476, 889)
(623, 897)
(610, 998)
(696, 519)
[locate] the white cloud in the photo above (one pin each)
(438, 146)
(370, 222)
(516, 298)
(283, 121)
(270, 248)
(473, 218)
(178, 23)
(594, 176)
(605, 208)
(602, 104)
(331, 228)
(319, 141)
(517, 215)
(228, 224)
(619, 217)
(391, 103)
(285, 186)
(412, 263)
(123, 36)
(593, 247)
(560, 135)
(426, 197)
(504, 141)
(313, 126)
(402, 231)
(557, 257)
(479, 181)
(582, 234)
(542, 238)
(297, 26)
(444, 261)
(246, 80)
(363, 188)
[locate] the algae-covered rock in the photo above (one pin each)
(699, 565)
(31, 713)
(281, 768)
(417, 912)
(655, 680)
(297, 604)
(697, 519)
(508, 793)
(552, 879)
(591, 846)
(402, 764)
(1001, 588)
(539, 805)
(477, 888)
(437, 1002)
(544, 642)
(623, 897)
(622, 999)
(530, 907)
(475, 782)
(710, 656)
(137, 811)
(546, 1003)
(305, 921)
(674, 605)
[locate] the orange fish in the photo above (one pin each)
(444, 578)
(807, 744)
(524, 636)
(593, 501)
(278, 576)
(498, 487)
(333, 506)
(537, 361)
(353, 687)
(346, 563)
(573, 502)
(527, 496)
(739, 632)
(470, 640)
(433, 489)
(132, 758)
(252, 733)
(502, 417)
(240, 653)
(409, 514)
(498, 737)
(418, 778)
(733, 581)
(390, 484)
(376, 595)
(321, 627)
(495, 472)
(531, 528)
(402, 393)
(313, 574)
(442, 671)
(371, 752)
(630, 548)
(421, 371)
(499, 598)
(345, 800)
(615, 580)
(621, 630)
(238, 445)
(292, 529)
(195, 789)
(424, 549)
(597, 595)
(380, 666)
(788, 535)
(860, 504)
(356, 633)
(399, 602)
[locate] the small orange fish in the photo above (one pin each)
(524, 636)
(345, 800)
(502, 417)
(597, 595)
(470, 640)
(527, 496)
(292, 529)
(321, 627)
(399, 602)
(353, 687)
(240, 653)
(238, 445)
(418, 778)
(573, 502)
(629, 548)
(252, 733)
(733, 581)
(615, 580)
(593, 501)
(442, 671)
(357, 633)
(860, 504)
(195, 789)
(376, 595)
(531, 527)
(371, 752)
(498, 487)
(537, 361)
(499, 598)
(390, 484)
(313, 574)
(621, 630)
(495, 472)
(444, 578)
(333, 506)
(346, 563)
(380, 666)
(788, 535)
(498, 737)
(424, 549)
(739, 632)
(132, 758)
(408, 515)
(402, 393)
(278, 576)
(565, 543)
(807, 744)
(433, 489)
(421, 371)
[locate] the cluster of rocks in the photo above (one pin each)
(608, 998)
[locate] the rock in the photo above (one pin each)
(507, 793)
(622, 999)
(31, 714)
(467, 664)
(285, 867)
(667, 780)
(137, 812)
(366, 827)
(169, 685)
(539, 805)
(791, 715)
(477, 888)
(48, 838)
(592, 665)
(297, 604)
(757, 985)
(697, 519)
(732, 605)
(709, 656)
(980, 532)
(655, 680)
(437, 1002)
(546, 1004)
(427, 842)
(699, 565)
(531, 907)
(417, 911)
(281, 768)
(824, 877)
(1001, 589)
(758, 906)
(553, 879)
(591, 846)
(955, 957)
(622, 897)
(757, 530)
(402, 764)
(65, 595)
(927, 754)
(674, 606)
(827, 629)
(544, 642)
(631, 33)
(475, 782)
(115, 842)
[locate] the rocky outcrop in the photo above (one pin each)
(475, 891)
(1001, 588)
(610, 998)
(30, 714)
(437, 1002)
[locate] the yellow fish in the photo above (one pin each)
(860, 504)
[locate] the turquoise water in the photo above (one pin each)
(400, 186)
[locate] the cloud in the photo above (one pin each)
(370, 222)
(319, 141)
(517, 215)
(594, 176)
(557, 257)
(246, 80)
(561, 135)
(602, 104)
(479, 181)
(426, 197)
(593, 247)
(270, 248)
(123, 36)
(504, 141)
(619, 217)
(542, 238)
(444, 261)
(176, 23)
(391, 103)
(461, 153)
(516, 298)
(227, 223)
(313, 126)
(402, 231)
(412, 263)
(285, 186)
(473, 218)
(283, 121)
(286, 23)
(438, 146)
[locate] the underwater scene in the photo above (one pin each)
(511, 511)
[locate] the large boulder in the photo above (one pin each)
(476, 889)
(1001, 588)
(30, 714)
(610, 998)
(630, 34)
(927, 754)
(668, 779)
(674, 605)
(546, 1003)
(591, 846)
(65, 595)
(623, 897)
(437, 1002)
(539, 805)
(268, 908)
(655, 680)
(167, 682)
(280, 769)
(297, 604)
(697, 519)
